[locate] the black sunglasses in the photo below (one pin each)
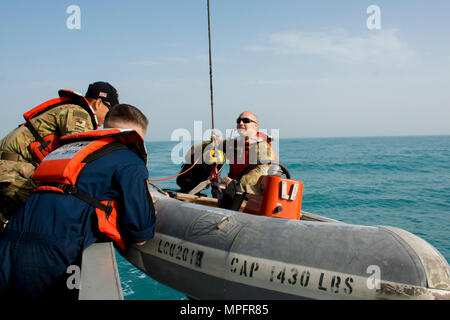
(107, 104)
(244, 120)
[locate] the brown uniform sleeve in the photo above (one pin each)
(74, 119)
(264, 154)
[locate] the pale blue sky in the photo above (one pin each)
(307, 68)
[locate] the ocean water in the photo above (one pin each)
(396, 181)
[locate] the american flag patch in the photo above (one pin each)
(102, 94)
(80, 123)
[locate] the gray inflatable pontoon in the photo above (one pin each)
(211, 253)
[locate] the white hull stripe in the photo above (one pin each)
(294, 279)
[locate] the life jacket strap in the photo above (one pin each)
(11, 156)
(74, 191)
(43, 144)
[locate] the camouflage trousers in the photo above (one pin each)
(16, 186)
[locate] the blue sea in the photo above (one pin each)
(396, 181)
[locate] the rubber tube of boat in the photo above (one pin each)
(211, 253)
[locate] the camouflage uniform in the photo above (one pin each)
(17, 164)
(259, 154)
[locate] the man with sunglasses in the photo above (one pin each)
(23, 149)
(248, 156)
(251, 148)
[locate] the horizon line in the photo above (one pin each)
(342, 137)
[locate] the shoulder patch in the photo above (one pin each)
(80, 114)
(80, 122)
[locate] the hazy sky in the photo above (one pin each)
(307, 68)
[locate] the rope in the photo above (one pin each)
(213, 134)
(175, 175)
(210, 71)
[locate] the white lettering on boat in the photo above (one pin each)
(264, 273)
(284, 194)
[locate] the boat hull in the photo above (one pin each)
(211, 253)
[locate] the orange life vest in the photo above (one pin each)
(59, 171)
(44, 145)
(239, 164)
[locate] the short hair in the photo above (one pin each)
(127, 113)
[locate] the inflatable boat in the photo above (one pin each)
(207, 252)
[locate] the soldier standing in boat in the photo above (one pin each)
(24, 148)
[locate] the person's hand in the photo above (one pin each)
(226, 181)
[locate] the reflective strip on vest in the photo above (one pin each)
(64, 165)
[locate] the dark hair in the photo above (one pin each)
(127, 113)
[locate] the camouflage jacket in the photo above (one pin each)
(261, 152)
(61, 120)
